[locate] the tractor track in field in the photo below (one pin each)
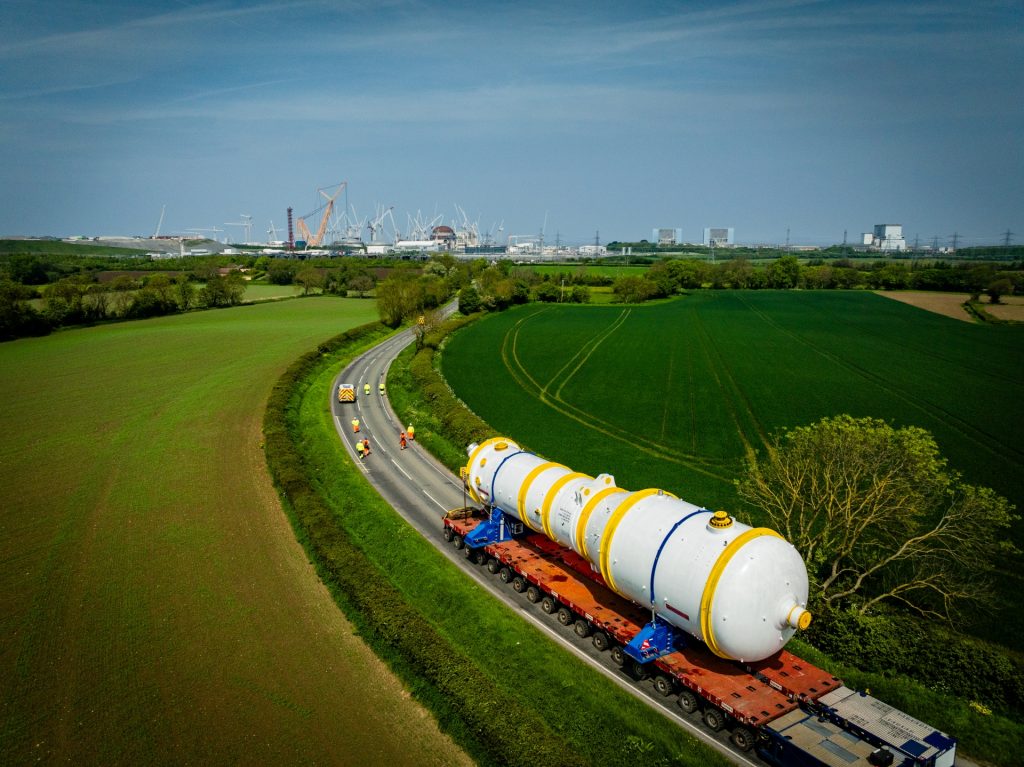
(518, 372)
(976, 436)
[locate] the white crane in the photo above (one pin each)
(377, 225)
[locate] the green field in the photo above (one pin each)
(590, 269)
(674, 395)
(154, 604)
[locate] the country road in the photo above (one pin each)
(422, 490)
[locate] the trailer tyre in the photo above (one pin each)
(459, 543)
(688, 702)
(533, 594)
(493, 565)
(564, 616)
(505, 574)
(663, 685)
(638, 670)
(582, 628)
(548, 605)
(618, 655)
(519, 584)
(742, 738)
(714, 719)
(448, 534)
(601, 641)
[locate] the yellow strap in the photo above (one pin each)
(715, 575)
(549, 498)
(581, 524)
(525, 487)
(472, 458)
(609, 531)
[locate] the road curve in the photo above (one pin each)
(422, 490)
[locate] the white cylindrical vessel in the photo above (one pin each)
(740, 590)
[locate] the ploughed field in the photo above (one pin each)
(155, 606)
(673, 395)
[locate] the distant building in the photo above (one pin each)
(718, 236)
(666, 236)
(886, 237)
(593, 251)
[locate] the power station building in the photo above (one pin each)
(667, 236)
(719, 236)
(886, 237)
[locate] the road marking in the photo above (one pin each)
(440, 505)
(402, 470)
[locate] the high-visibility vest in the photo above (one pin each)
(359, 448)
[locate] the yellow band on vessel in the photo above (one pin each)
(549, 498)
(524, 489)
(472, 459)
(715, 575)
(609, 531)
(581, 524)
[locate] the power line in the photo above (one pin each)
(1007, 238)
(956, 239)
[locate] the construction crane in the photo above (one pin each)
(377, 225)
(314, 241)
(246, 224)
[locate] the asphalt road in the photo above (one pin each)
(422, 490)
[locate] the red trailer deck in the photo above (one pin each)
(753, 695)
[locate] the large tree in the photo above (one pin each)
(879, 516)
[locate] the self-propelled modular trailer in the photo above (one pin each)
(691, 599)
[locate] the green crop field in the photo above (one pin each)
(591, 269)
(674, 395)
(155, 606)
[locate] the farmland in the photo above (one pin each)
(154, 603)
(674, 395)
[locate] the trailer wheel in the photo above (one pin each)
(638, 670)
(564, 616)
(519, 584)
(548, 605)
(714, 719)
(618, 655)
(505, 574)
(459, 542)
(688, 702)
(448, 534)
(601, 641)
(533, 594)
(742, 738)
(493, 565)
(582, 628)
(663, 685)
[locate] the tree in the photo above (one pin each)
(309, 278)
(784, 272)
(632, 290)
(361, 284)
(399, 298)
(999, 288)
(469, 300)
(878, 516)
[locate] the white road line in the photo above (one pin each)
(439, 505)
(401, 470)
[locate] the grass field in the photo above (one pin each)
(592, 269)
(154, 604)
(673, 395)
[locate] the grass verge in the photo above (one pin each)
(502, 690)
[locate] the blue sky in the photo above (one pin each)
(817, 117)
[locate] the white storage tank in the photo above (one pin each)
(740, 590)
